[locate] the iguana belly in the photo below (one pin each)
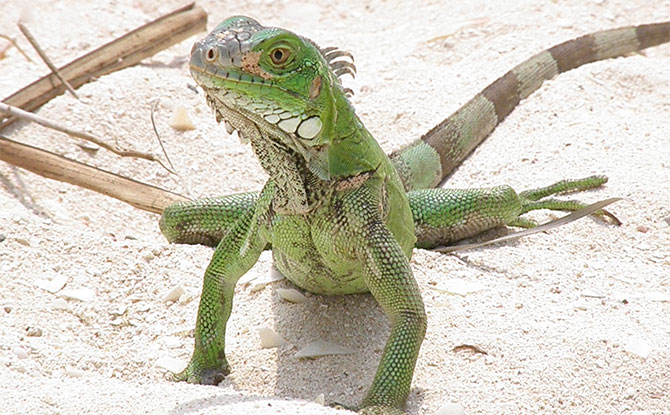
(304, 264)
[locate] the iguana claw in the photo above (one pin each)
(194, 373)
(381, 410)
(371, 410)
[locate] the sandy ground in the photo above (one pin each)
(558, 312)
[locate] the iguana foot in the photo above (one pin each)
(196, 372)
(371, 410)
(381, 410)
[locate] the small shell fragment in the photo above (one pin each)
(269, 338)
(458, 286)
(322, 348)
(592, 294)
(173, 294)
(76, 373)
(20, 352)
(81, 294)
(181, 120)
(451, 409)
(53, 285)
(638, 347)
(258, 283)
(171, 364)
(291, 295)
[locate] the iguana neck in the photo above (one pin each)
(300, 185)
(297, 189)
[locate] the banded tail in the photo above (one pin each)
(425, 162)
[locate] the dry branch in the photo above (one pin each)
(53, 166)
(125, 51)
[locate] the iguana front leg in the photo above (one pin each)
(235, 255)
(390, 280)
(351, 231)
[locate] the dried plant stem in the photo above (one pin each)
(45, 58)
(53, 166)
(29, 116)
(16, 45)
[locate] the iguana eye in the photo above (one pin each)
(210, 55)
(279, 55)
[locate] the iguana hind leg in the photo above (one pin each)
(442, 216)
(205, 221)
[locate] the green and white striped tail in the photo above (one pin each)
(425, 162)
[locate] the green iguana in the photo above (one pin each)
(341, 216)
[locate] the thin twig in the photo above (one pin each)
(16, 45)
(184, 186)
(18, 112)
(45, 58)
(158, 137)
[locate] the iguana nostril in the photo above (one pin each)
(210, 55)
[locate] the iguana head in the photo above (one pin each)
(270, 84)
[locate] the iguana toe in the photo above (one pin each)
(202, 376)
(381, 410)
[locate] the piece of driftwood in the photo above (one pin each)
(125, 51)
(53, 166)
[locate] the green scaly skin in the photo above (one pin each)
(335, 211)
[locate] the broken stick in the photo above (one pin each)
(53, 166)
(125, 51)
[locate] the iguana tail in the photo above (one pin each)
(427, 161)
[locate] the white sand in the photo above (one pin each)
(552, 349)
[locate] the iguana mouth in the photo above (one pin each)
(224, 87)
(247, 127)
(208, 74)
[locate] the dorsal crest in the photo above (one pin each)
(341, 62)
(340, 67)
